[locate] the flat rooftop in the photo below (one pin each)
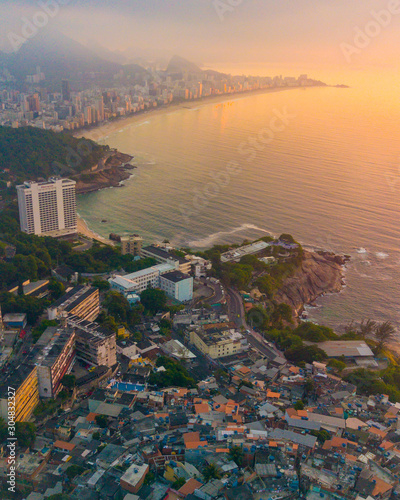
(175, 276)
(238, 253)
(347, 348)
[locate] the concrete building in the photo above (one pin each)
(356, 350)
(24, 381)
(131, 244)
(82, 301)
(177, 285)
(94, 344)
(217, 343)
(15, 320)
(134, 477)
(140, 280)
(48, 208)
(237, 253)
(163, 256)
(55, 359)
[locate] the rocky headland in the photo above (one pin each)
(319, 273)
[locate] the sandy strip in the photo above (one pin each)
(85, 231)
(103, 131)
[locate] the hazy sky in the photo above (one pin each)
(279, 33)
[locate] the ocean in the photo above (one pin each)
(320, 163)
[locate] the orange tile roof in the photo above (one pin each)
(381, 486)
(222, 450)
(302, 413)
(291, 412)
(201, 408)
(273, 444)
(64, 445)
(91, 417)
(339, 411)
(377, 432)
(244, 369)
(351, 458)
(189, 487)
(271, 394)
(189, 437)
(387, 445)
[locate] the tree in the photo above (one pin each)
(236, 454)
(101, 421)
(337, 365)
(69, 381)
(384, 334)
(56, 288)
(25, 432)
(366, 328)
(73, 471)
(299, 405)
(153, 300)
(102, 285)
(179, 483)
(308, 354)
(96, 435)
(211, 472)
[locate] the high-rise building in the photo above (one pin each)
(131, 244)
(65, 90)
(48, 208)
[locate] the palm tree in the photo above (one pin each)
(211, 472)
(366, 328)
(385, 333)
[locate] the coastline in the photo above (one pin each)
(84, 230)
(102, 131)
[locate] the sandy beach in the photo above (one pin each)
(85, 231)
(103, 131)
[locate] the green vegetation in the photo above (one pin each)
(118, 311)
(25, 432)
(179, 483)
(175, 375)
(337, 364)
(69, 381)
(305, 354)
(73, 471)
(236, 454)
(211, 472)
(153, 300)
(321, 435)
(32, 153)
(314, 333)
(101, 421)
(384, 382)
(299, 405)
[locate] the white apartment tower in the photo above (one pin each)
(47, 208)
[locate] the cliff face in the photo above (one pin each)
(100, 180)
(319, 273)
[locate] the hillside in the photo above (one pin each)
(30, 153)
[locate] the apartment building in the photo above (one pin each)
(24, 382)
(131, 244)
(82, 301)
(163, 256)
(177, 285)
(48, 208)
(140, 280)
(216, 342)
(54, 359)
(94, 344)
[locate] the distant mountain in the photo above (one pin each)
(60, 57)
(105, 53)
(180, 65)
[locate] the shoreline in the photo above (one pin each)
(102, 131)
(84, 230)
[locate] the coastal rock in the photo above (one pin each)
(320, 273)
